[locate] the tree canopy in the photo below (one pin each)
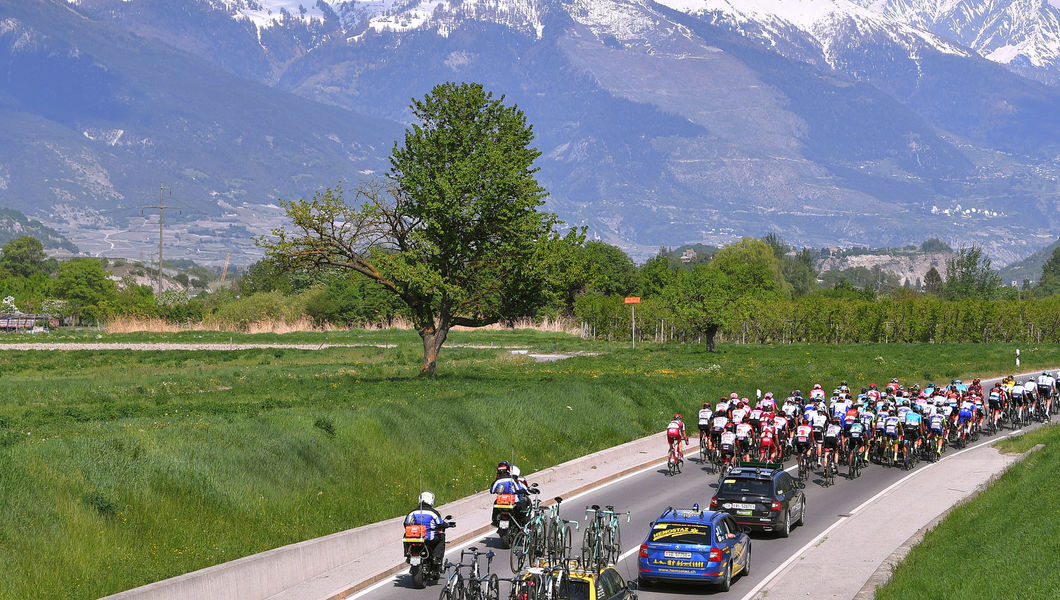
(455, 232)
(969, 276)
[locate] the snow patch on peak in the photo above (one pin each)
(827, 22)
(446, 15)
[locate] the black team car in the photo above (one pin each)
(762, 496)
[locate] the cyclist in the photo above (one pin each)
(1046, 387)
(434, 537)
(994, 401)
(1030, 393)
(743, 440)
(717, 427)
(767, 442)
(976, 388)
(914, 429)
(722, 407)
(820, 421)
(855, 436)
(830, 444)
(868, 419)
(769, 403)
(937, 429)
(1020, 400)
(675, 432)
(817, 393)
(727, 445)
(740, 412)
(804, 437)
(892, 428)
(964, 416)
(754, 417)
(705, 415)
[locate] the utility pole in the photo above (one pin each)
(161, 208)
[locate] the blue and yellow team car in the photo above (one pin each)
(694, 545)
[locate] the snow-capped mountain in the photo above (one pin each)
(1024, 34)
(832, 122)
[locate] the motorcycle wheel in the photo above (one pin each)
(418, 578)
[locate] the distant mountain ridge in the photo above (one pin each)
(833, 123)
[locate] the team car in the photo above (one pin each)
(762, 496)
(694, 545)
(582, 584)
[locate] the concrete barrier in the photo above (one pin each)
(365, 554)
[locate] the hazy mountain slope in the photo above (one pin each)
(96, 118)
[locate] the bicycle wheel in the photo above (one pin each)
(616, 544)
(493, 588)
(519, 551)
(454, 588)
(587, 544)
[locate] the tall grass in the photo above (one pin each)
(135, 324)
(121, 468)
(1001, 544)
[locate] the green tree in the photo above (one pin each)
(935, 245)
(24, 256)
(933, 281)
(753, 264)
(455, 233)
(86, 285)
(655, 275)
(1049, 283)
(609, 270)
(969, 276)
(730, 289)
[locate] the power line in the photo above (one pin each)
(161, 208)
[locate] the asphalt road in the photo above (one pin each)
(647, 493)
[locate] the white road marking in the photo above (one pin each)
(812, 542)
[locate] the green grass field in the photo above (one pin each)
(122, 468)
(1001, 544)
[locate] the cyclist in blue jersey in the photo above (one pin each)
(892, 428)
(937, 429)
(914, 429)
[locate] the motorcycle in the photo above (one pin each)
(423, 567)
(507, 518)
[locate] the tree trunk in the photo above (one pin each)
(433, 338)
(708, 337)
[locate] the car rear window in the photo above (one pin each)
(579, 590)
(746, 487)
(680, 533)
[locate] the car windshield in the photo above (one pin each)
(579, 590)
(746, 487)
(680, 533)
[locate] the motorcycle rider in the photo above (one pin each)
(434, 538)
(508, 481)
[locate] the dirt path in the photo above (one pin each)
(155, 346)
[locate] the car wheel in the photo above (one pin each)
(747, 562)
(786, 530)
(726, 582)
(802, 513)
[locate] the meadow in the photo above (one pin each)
(118, 468)
(1001, 544)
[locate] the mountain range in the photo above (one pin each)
(830, 122)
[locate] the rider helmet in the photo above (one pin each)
(515, 471)
(706, 405)
(817, 386)
(503, 466)
(734, 396)
(427, 499)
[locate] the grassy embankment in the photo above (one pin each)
(1001, 544)
(121, 468)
